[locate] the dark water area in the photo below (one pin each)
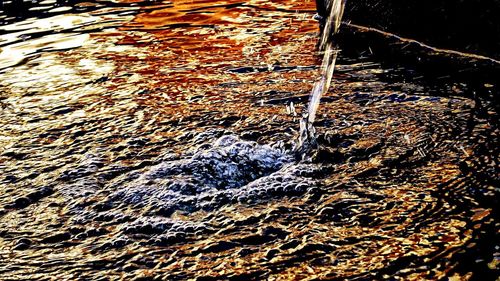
(465, 25)
(153, 140)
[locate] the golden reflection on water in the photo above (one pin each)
(107, 94)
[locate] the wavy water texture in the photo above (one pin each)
(160, 147)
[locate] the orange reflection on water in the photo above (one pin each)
(134, 93)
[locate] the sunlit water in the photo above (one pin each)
(154, 140)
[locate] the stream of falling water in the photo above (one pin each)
(327, 48)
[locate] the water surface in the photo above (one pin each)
(153, 140)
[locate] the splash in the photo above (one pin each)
(329, 27)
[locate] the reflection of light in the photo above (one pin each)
(16, 53)
(60, 9)
(60, 22)
(51, 75)
(17, 43)
(21, 40)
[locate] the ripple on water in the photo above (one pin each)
(21, 41)
(218, 172)
(163, 149)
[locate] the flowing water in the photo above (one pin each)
(153, 140)
(329, 26)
